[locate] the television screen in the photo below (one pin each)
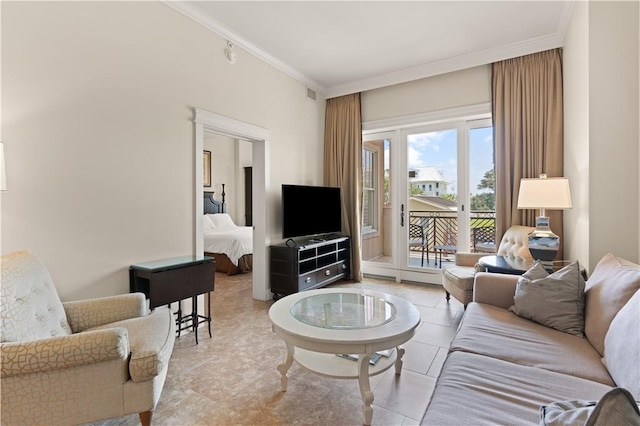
(310, 210)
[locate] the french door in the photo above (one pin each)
(418, 187)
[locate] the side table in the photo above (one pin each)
(171, 280)
(518, 266)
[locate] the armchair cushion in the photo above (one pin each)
(31, 308)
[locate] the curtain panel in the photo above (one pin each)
(343, 166)
(528, 132)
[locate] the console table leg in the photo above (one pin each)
(365, 388)
(194, 316)
(209, 312)
(284, 367)
(400, 353)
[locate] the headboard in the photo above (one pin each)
(212, 206)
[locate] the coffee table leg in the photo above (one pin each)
(365, 388)
(399, 355)
(284, 367)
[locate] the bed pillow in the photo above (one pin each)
(207, 224)
(222, 221)
(555, 300)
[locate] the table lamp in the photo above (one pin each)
(544, 193)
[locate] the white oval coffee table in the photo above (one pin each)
(318, 324)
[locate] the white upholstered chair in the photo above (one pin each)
(457, 278)
(77, 362)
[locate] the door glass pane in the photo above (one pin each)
(482, 187)
(432, 194)
(377, 233)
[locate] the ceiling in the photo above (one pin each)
(340, 47)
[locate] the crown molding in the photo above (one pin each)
(215, 26)
(456, 63)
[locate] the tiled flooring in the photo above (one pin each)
(231, 378)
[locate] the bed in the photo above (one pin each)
(230, 245)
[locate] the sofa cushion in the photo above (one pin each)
(30, 306)
(498, 333)
(621, 356)
(616, 407)
(478, 390)
(613, 282)
(555, 300)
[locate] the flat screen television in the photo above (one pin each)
(310, 211)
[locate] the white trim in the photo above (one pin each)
(407, 121)
(206, 121)
(455, 63)
(211, 24)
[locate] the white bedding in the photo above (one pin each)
(221, 235)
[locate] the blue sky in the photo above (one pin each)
(438, 149)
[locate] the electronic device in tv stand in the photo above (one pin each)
(308, 265)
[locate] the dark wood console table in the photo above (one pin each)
(172, 280)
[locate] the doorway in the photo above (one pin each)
(426, 189)
(206, 121)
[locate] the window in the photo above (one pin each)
(369, 188)
(430, 187)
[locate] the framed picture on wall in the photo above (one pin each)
(206, 157)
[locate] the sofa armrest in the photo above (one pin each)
(85, 314)
(468, 259)
(495, 289)
(64, 351)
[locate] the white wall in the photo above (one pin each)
(97, 103)
(576, 134)
(613, 128)
(601, 67)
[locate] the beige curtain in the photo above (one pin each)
(343, 167)
(528, 126)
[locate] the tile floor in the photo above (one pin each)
(231, 378)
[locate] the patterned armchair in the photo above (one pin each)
(457, 279)
(77, 362)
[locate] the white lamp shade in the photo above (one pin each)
(3, 175)
(544, 193)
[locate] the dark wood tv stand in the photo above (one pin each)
(308, 264)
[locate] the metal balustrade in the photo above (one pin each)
(441, 229)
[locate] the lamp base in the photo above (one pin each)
(543, 244)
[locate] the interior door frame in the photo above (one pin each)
(205, 121)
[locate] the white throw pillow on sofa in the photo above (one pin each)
(622, 351)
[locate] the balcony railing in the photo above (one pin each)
(441, 228)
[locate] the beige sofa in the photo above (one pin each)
(502, 368)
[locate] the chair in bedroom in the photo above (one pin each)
(457, 278)
(417, 238)
(77, 362)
